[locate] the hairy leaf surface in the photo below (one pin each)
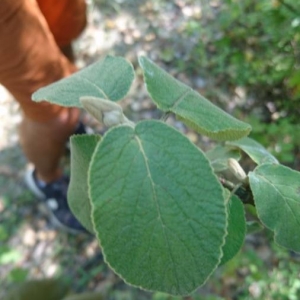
(158, 209)
(256, 151)
(197, 112)
(236, 229)
(219, 156)
(82, 148)
(276, 191)
(109, 78)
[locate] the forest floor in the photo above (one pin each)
(30, 247)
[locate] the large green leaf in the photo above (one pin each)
(109, 78)
(256, 151)
(219, 156)
(171, 95)
(236, 228)
(276, 191)
(82, 148)
(158, 210)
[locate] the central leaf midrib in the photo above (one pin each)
(94, 85)
(150, 177)
(139, 142)
(180, 99)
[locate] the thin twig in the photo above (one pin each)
(241, 190)
(165, 116)
(227, 184)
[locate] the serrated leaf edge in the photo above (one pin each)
(99, 138)
(258, 213)
(231, 134)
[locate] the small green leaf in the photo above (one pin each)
(109, 78)
(157, 208)
(236, 228)
(8, 255)
(18, 275)
(276, 191)
(85, 296)
(82, 148)
(219, 156)
(197, 112)
(4, 235)
(253, 227)
(48, 289)
(256, 151)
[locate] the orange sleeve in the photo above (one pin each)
(66, 18)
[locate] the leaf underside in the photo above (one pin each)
(193, 109)
(109, 78)
(82, 148)
(236, 228)
(219, 156)
(158, 209)
(276, 191)
(256, 151)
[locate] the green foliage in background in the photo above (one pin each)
(254, 44)
(164, 215)
(281, 136)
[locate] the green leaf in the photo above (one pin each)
(219, 155)
(197, 112)
(276, 191)
(48, 289)
(18, 275)
(158, 209)
(253, 227)
(256, 151)
(8, 255)
(85, 296)
(4, 235)
(164, 296)
(236, 228)
(82, 148)
(109, 78)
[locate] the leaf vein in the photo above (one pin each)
(94, 85)
(180, 98)
(283, 198)
(139, 142)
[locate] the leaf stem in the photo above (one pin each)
(226, 183)
(165, 116)
(241, 190)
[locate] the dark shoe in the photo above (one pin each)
(54, 195)
(82, 129)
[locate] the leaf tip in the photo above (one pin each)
(141, 60)
(35, 96)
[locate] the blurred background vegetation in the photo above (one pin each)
(244, 55)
